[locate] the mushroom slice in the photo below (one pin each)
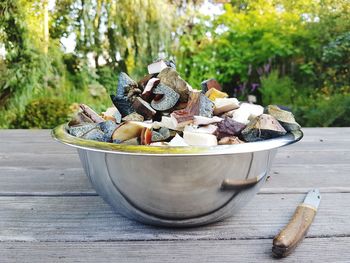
(133, 117)
(112, 114)
(230, 140)
(206, 106)
(159, 144)
(285, 118)
(167, 122)
(209, 84)
(80, 118)
(263, 127)
(108, 128)
(142, 107)
(127, 131)
(168, 98)
(200, 120)
(150, 84)
(123, 104)
(228, 127)
(160, 135)
(247, 111)
(80, 129)
(172, 79)
(91, 113)
(186, 116)
(147, 94)
(156, 67)
(95, 134)
(200, 139)
(146, 136)
(133, 141)
(209, 129)
(125, 84)
(181, 118)
(225, 104)
(177, 141)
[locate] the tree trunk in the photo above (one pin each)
(96, 61)
(97, 25)
(46, 26)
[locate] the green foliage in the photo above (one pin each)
(296, 52)
(128, 34)
(108, 77)
(44, 114)
(25, 67)
(336, 63)
(324, 111)
(337, 52)
(276, 90)
(244, 40)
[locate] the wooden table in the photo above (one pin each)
(50, 213)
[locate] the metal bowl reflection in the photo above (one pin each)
(176, 186)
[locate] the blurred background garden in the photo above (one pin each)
(57, 53)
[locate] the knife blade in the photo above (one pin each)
(288, 239)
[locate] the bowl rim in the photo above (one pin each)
(60, 133)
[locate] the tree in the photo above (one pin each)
(127, 34)
(23, 70)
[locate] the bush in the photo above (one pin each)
(324, 111)
(108, 78)
(44, 114)
(336, 63)
(277, 90)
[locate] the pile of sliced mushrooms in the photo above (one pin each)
(162, 109)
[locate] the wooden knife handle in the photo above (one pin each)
(287, 240)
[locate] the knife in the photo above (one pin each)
(287, 240)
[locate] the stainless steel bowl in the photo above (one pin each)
(176, 186)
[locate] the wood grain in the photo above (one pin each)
(294, 232)
(50, 213)
(40, 181)
(89, 218)
(221, 251)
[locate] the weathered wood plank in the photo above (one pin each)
(310, 250)
(73, 181)
(90, 219)
(312, 157)
(32, 164)
(300, 178)
(25, 136)
(40, 161)
(25, 181)
(323, 131)
(38, 148)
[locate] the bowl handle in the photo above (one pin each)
(240, 184)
